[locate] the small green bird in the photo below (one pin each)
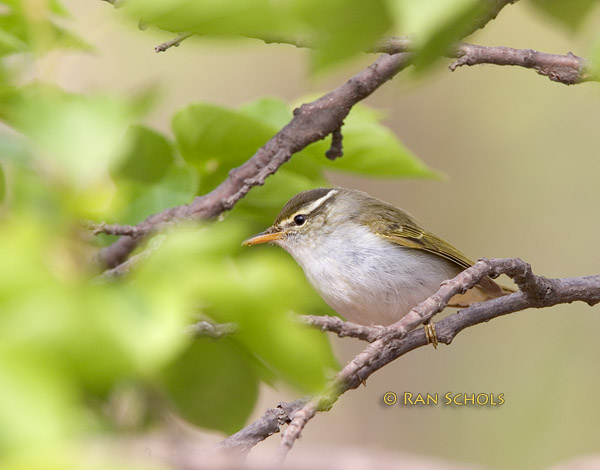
(370, 261)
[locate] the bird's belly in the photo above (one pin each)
(377, 286)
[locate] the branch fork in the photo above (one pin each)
(389, 343)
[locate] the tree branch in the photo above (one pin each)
(535, 292)
(268, 424)
(114, 229)
(173, 42)
(345, 328)
(389, 343)
(311, 122)
(568, 69)
(336, 149)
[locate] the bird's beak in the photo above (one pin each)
(263, 237)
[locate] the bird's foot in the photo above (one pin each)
(430, 334)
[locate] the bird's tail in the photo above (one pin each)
(488, 289)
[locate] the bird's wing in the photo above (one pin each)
(408, 234)
(414, 237)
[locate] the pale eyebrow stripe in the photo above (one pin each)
(313, 205)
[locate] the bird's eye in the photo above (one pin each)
(299, 219)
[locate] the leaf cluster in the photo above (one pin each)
(69, 343)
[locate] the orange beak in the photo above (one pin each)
(263, 237)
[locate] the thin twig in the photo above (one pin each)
(173, 42)
(345, 328)
(336, 149)
(567, 69)
(267, 425)
(113, 229)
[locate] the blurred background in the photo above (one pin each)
(519, 155)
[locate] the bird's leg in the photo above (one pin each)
(430, 333)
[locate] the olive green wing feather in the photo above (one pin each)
(404, 231)
(415, 237)
(407, 233)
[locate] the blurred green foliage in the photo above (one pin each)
(68, 340)
(337, 30)
(571, 14)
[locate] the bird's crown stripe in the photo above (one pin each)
(313, 206)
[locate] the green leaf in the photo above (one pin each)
(149, 156)
(257, 291)
(79, 134)
(339, 29)
(30, 27)
(269, 110)
(214, 140)
(212, 384)
(36, 403)
(370, 149)
(253, 18)
(276, 113)
(65, 39)
(435, 25)
(58, 9)
(268, 288)
(134, 201)
(570, 14)
(10, 43)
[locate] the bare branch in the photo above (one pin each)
(336, 149)
(268, 424)
(345, 328)
(537, 291)
(292, 433)
(568, 69)
(401, 337)
(173, 42)
(311, 122)
(113, 229)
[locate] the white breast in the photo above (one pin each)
(367, 279)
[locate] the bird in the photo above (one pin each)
(369, 260)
